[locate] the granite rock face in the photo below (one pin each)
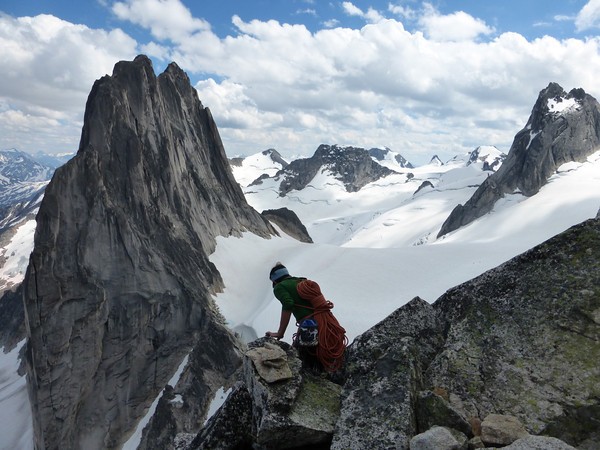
(524, 339)
(383, 379)
(561, 128)
(118, 286)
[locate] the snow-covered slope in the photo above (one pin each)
(376, 249)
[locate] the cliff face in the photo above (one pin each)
(561, 128)
(118, 285)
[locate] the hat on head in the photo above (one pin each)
(278, 272)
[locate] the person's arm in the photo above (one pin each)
(283, 323)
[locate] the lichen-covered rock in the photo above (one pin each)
(538, 443)
(524, 339)
(287, 413)
(270, 361)
(383, 375)
(432, 410)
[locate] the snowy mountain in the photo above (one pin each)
(54, 161)
(17, 166)
(22, 183)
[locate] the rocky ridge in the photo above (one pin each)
(506, 359)
(118, 287)
(561, 128)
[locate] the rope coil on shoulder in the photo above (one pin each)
(332, 336)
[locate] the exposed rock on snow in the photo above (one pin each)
(289, 222)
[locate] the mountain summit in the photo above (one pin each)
(561, 128)
(118, 287)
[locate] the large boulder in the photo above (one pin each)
(523, 339)
(277, 405)
(383, 378)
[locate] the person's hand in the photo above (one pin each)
(274, 334)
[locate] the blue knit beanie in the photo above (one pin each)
(278, 272)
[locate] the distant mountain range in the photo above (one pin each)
(23, 178)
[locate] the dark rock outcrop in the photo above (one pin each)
(424, 184)
(561, 128)
(118, 287)
(523, 339)
(289, 222)
(352, 166)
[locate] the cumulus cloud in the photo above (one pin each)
(371, 15)
(49, 66)
(458, 26)
(589, 16)
(383, 83)
(166, 19)
(402, 11)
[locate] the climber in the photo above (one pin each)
(320, 339)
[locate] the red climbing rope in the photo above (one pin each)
(332, 336)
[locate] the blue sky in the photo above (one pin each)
(423, 78)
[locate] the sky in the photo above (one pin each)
(422, 78)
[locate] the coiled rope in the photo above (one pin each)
(332, 336)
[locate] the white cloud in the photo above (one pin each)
(331, 23)
(402, 11)
(49, 66)
(372, 15)
(589, 16)
(352, 10)
(458, 26)
(166, 19)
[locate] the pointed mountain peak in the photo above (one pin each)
(436, 161)
(562, 128)
(122, 247)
